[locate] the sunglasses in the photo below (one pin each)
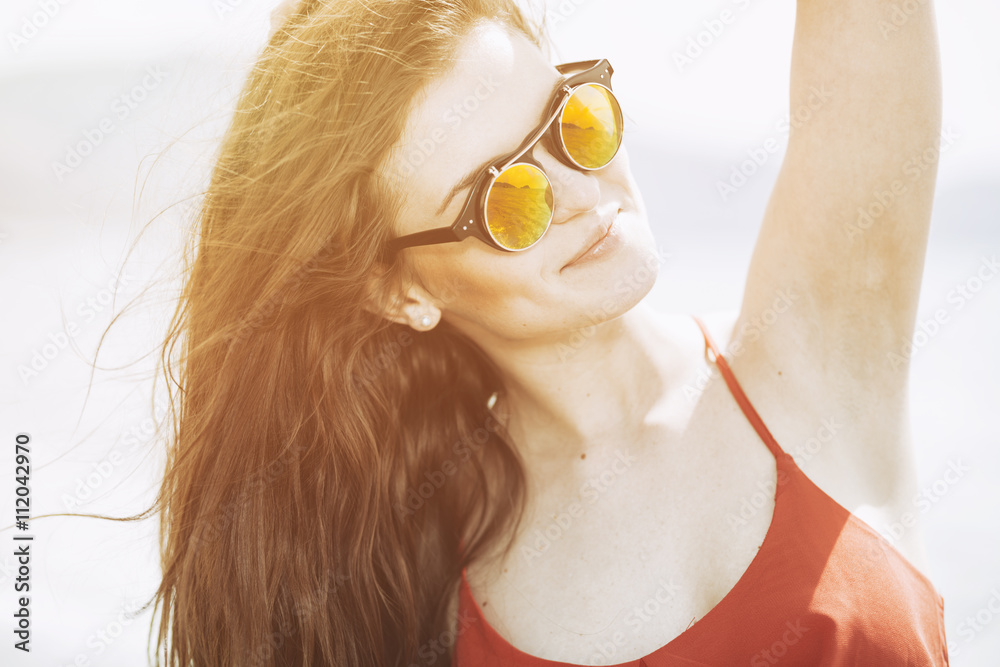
(510, 206)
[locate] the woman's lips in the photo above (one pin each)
(610, 241)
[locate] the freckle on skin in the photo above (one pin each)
(583, 456)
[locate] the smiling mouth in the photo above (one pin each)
(597, 242)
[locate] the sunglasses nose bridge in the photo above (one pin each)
(573, 190)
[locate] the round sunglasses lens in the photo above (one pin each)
(519, 206)
(591, 126)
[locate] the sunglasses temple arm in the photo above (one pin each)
(578, 65)
(429, 237)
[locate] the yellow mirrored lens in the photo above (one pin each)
(519, 206)
(591, 126)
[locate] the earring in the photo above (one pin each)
(425, 321)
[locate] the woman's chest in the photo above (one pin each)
(644, 547)
(654, 537)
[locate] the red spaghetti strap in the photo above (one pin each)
(737, 391)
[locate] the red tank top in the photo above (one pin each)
(824, 589)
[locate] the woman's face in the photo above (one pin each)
(484, 107)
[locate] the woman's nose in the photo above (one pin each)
(574, 191)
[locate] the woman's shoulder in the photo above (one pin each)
(680, 330)
(834, 437)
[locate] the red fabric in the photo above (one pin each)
(824, 589)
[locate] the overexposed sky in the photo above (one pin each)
(736, 87)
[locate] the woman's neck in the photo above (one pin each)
(565, 401)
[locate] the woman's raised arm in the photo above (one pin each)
(845, 230)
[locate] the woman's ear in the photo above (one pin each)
(412, 307)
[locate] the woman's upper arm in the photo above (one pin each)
(845, 230)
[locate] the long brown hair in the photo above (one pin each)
(330, 472)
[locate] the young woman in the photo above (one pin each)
(425, 417)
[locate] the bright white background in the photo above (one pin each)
(63, 238)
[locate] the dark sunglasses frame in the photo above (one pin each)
(472, 220)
